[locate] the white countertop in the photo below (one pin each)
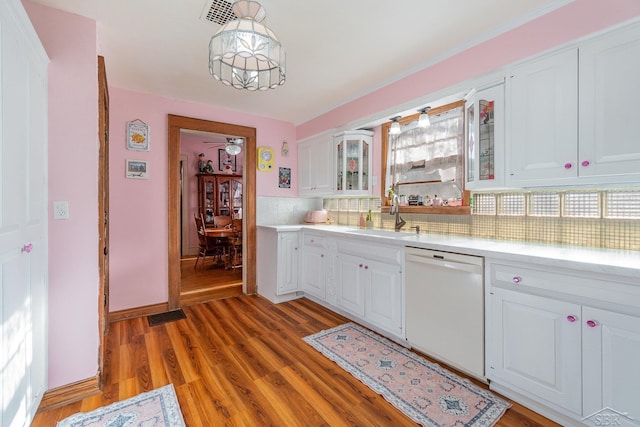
(596, 260)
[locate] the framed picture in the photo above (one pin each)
(137, 135)
(226, 162)
(284, 178)
(137, 169)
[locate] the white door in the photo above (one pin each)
(353, 276)
(23, 243)
(383, 296)
(288, 262)
(535, 346)
(609, 93)
(611, 378)
(543, 121)
(312, 271)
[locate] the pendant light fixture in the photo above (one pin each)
(233, 146)
(423, 120)
(246, 54)
(395, 126)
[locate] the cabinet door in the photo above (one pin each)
(535, 346)
(207, 197)
(315, 170)
(312, 271)
(352, 276)
(543, 120)
(323, 169)
(352, 156)
(611, 345)
(609, 93)
(287, 262)
(383, 296)
(485, 137)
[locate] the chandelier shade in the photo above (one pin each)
(233, 146)
(246, 54)
(395, 126)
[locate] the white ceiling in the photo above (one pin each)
(337, 50)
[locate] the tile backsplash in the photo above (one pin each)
(579, 218)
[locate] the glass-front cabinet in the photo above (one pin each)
(207, 197)
(484, 163)
(230, 196)
(353, 162)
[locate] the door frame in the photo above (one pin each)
(176, 124)
(103, 213)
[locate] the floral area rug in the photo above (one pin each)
(155, 408)
(425, 392)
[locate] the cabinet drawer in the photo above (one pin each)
(387, 254)
(569, 283)
(314, 240)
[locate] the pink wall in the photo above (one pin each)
(70, 42)
(575, 20)
(138, 257)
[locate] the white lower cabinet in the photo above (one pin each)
(610, 377)
(383, 296)
(277, 264)
(565, 342)
(352, 275)
(313, 265)
(288, 262)
(369, 284)
(535, 348)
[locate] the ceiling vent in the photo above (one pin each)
(218, 11)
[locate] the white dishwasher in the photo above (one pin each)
(445, 307)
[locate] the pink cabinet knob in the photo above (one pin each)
(568, 165)
(585, 163)
(592, 323)
(360, 265)
(321, 255)
(27, 248)
(571, 318)
(516, 279)
(366, 267)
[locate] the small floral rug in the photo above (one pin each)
(425, 392)
(155, 408)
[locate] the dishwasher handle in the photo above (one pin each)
(443, 263)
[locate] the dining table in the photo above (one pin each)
(224, 236)
(219, 232)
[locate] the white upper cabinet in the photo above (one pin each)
(353, 162)
(543, 117)
(315, 167)
(609, 110)
(485, 139)
(571, 116)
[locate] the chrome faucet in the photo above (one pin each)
(395, 210)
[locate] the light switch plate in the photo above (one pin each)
(61, 209)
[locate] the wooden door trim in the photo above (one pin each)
(103, 210)
(176, 123)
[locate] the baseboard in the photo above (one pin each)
(69, 393)
(130, 313)
(544, 410)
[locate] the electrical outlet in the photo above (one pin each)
(61, 209)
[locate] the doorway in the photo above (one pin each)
(176, 125)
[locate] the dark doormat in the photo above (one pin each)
(169, 316)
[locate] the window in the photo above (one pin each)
(427, 161)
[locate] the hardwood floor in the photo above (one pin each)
(241, 362)
(208, 282)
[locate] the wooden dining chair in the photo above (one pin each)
(208, 246)
(234, 259)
